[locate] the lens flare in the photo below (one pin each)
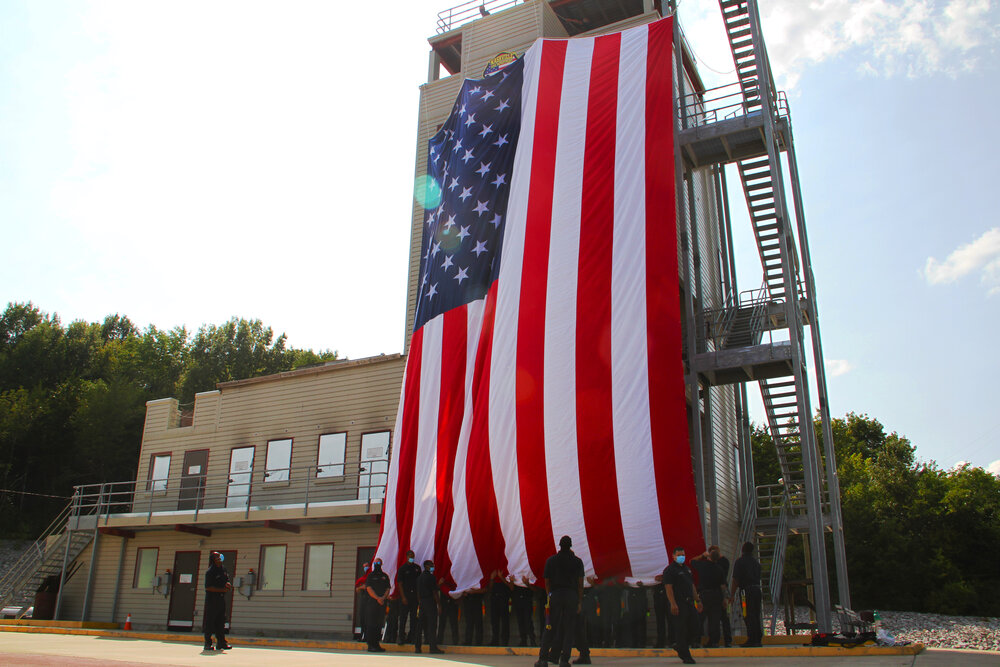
(427, 192)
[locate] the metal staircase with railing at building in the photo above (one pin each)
(761, 336)
(51, 555)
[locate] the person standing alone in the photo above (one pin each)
(684, 603)
(564, 586)
(217, 584)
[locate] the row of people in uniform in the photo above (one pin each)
(612, 614)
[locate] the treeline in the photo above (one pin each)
(72, 397)
(918, 538)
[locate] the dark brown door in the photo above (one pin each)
(229, 562)
(191, 494)
(183, 589)
(365, 555)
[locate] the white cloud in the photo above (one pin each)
(838, 367)
(891, 37)
(994, 468)
(959, 465)
(982, 255)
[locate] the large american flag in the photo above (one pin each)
(543, 392)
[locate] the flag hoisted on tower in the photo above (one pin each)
(543, 393)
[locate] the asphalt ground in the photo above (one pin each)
(17, 649)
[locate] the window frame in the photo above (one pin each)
(150, 481)
(361, 460)
(138, 560)
(261, 562)
(305, 566)
(287, 470)
(343, 457)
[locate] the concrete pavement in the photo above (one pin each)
(17, 649)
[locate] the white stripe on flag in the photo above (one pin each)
(630, 370)
(561, 456)
(503, 367)
(425, 466)
(465, 568)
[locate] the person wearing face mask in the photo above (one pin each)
(746, 576)
(377, 587)
(684, 603)
(429, 601)
(406, 582)
(362, 596)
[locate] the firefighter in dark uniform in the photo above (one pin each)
(449, 613)
(406, 580)
(660, 609)
(377, 587)
(429, 607)
(216, 585)
(746, 577)
(638, 607)
(522, 596)
(684, 603)
(564, 586)
(610, 598)
(710, 587)
(499, 609)
(588, 612)
(727, 631)
(472, 610)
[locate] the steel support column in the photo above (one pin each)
(829, 448)
(690, 333)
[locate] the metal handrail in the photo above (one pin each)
(301, 486)
(724, 325)
(450, 19)
(723, 103)
(20, 572)
(778, 562)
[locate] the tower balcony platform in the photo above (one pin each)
(718, 126)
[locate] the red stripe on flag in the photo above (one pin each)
(484, 517)
(668, 405)
(595, 430)
(529, 400)
(407, 445)
(450, 411)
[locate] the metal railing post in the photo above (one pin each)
(93, 554)
(66, 535)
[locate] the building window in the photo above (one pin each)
(330, 462)
(318, 571)
(159, 470)
(279, 460)
(272, 567)
(145, 567)
(374, 465)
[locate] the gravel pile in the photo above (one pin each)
(10, 552)
(932, 630)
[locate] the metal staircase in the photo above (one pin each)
(59, 544)
(786, 398)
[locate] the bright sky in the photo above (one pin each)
(184, 162)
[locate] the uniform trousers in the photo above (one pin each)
(449, 616)
(428, 624)
(711, 600)
(684, 622)
(755, 631)
(374, 617)
(408, 611)
(472, 609)
(215, 618)
(562, 615)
